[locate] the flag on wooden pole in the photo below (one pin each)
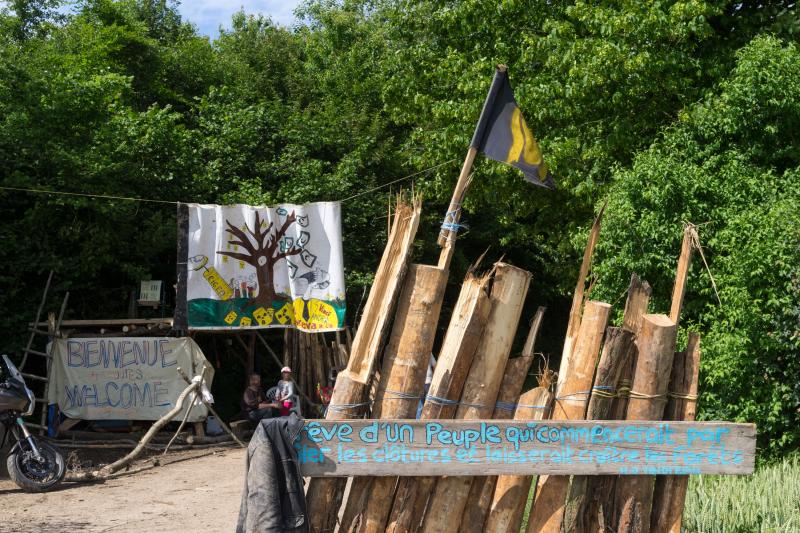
(503, 135)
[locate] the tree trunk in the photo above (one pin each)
(266, 290)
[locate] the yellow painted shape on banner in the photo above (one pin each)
(219, 285)
(321, 315)
(523, 144)
(263, 316)
(230, 318)
(245, 321)
(285, 314)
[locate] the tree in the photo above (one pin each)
(263, 253)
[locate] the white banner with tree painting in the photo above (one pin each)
(265, 267)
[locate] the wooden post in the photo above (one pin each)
(669, 495)
(482, 386)
(324, 496)
(572, 396)
(511, 492)
(574, 324)
(482, 490)
(453, 214)
(617, 353)
(382, 296)
(464, 332)
(405, 364)
(648, 396)
(678, 292)
(600, 489)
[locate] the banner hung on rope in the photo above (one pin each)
(124, 378)
(261, 267)
(494, 447)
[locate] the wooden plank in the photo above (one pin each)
(572, 396)
(669, 494)
(634, 494)
(464, 332)
(108, 322)
(405, 365)
(511, 491)
(378, 310)
(617, 354)
(510, 287)
(682, 273)
(482, 490)
(495, 447)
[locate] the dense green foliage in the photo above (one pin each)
(674, 111)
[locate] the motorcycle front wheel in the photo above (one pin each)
(34, 475)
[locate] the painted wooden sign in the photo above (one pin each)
(489, 447)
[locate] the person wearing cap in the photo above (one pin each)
(285, 391)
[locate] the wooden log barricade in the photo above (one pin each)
(510, 287)
(601, 425)
(463, 336)
(572, 396)
(648, 395)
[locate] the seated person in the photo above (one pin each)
(285, 391)
(255, 404)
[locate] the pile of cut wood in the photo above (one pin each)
(629, 372)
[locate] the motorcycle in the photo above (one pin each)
(33, 465)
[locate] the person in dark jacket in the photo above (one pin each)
(273, 500)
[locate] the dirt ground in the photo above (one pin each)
(188, 494)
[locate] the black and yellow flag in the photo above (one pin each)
(503, 135)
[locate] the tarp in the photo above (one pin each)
(263, 267)
(124, 378)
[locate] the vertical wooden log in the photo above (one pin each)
(324, 495)
(617, 354)
(482, 490)
(669, 495)
(464, 333)
(286, 347)
(482, 386)
(600, 489)
(511, 492)
(572, 396)
(575, 312)
(682, 273)
(405, 364)
(648, 396)
(380, 304)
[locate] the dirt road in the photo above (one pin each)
(200, 494)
